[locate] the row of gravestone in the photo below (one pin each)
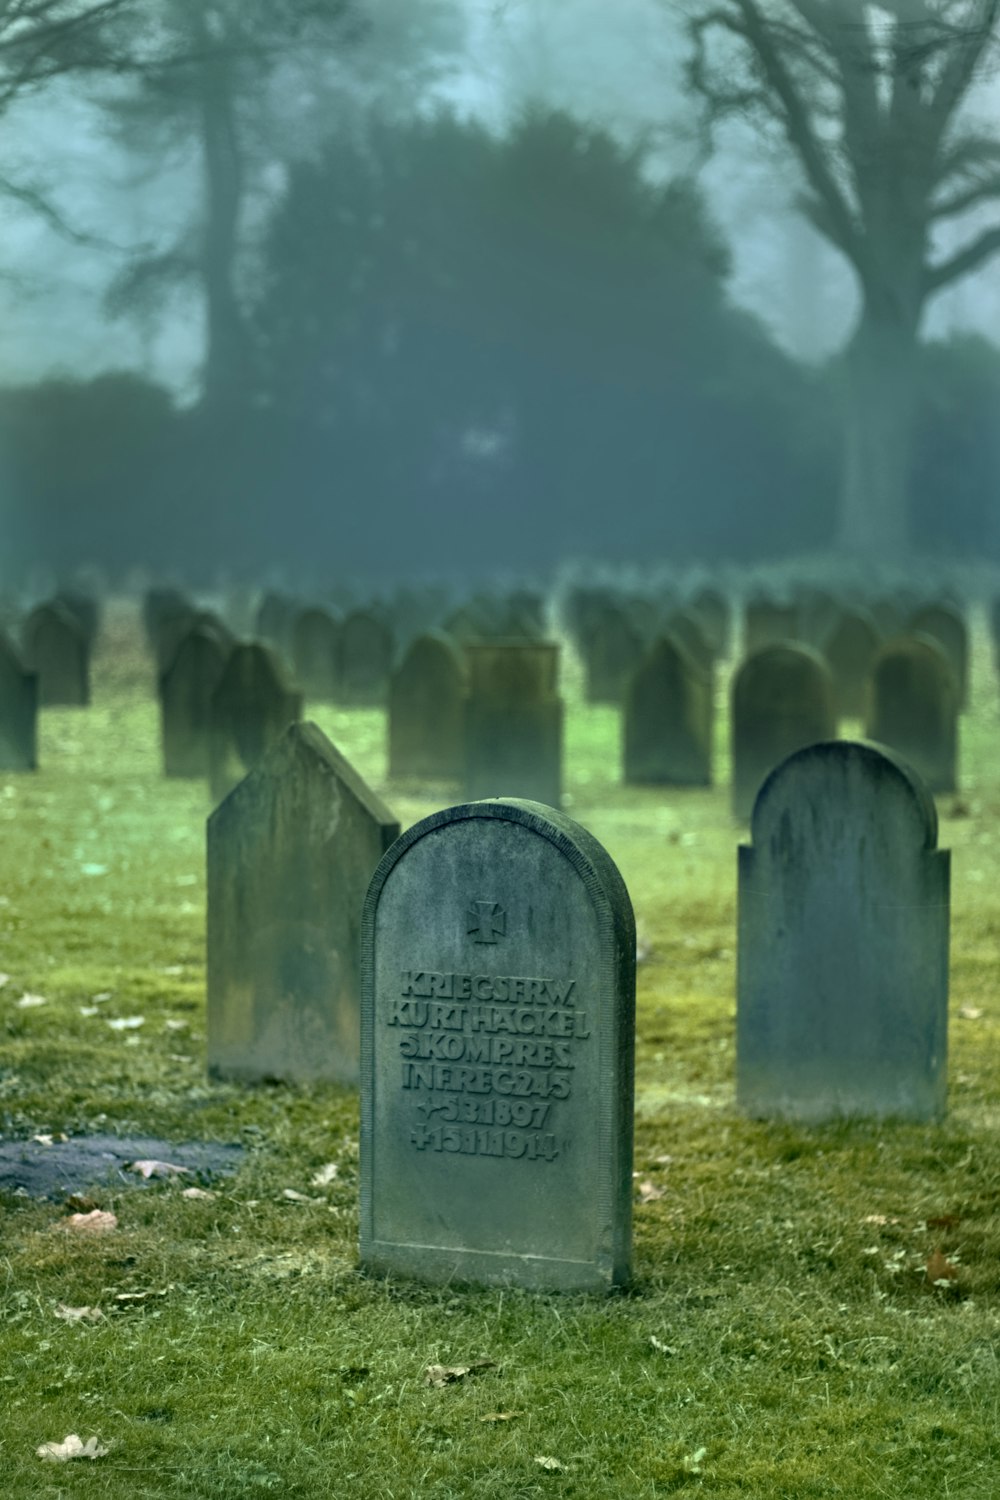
(480, 986)
(50, 667)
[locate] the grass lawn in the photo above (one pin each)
(781, 1337)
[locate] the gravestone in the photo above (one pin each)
(252, 704)
(18, 712)
(913, 708)
(768, 621)
(157, 603)
(365, 660)
(426, 710)
(273, 619)
(782, 699)
(667, 719)
(85, 610)
(185, 692)
(612, 646)
(710, 608)
(176, 624)
(842, 968)
(683, 626)
(497, 1046)
(944, 623)
(513, 720)
(290, 854)
(849, 648)
(55, 647)
(315, 647)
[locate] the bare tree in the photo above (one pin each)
(870, 100)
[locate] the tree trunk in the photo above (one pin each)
(226, 342)
(880, 408)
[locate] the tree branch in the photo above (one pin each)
(967, 259)
(961, 202)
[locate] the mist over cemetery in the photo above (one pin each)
(499, 701)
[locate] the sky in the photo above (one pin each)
(619, 65)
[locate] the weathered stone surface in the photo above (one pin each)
(612, 644)
(782, 699)
(498, 1012)
(290, 854)
(767, 622)
(513, 721)
(849, 648)
(843, 941)
(913, 705)
(18, 712)
(667, 719)
(426, 710)
(55, 647)
(185, 692)
(315, 651)
(252, 704)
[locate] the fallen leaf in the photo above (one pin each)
(880, 1219)
(693, 1461)
(970, 1013)
(660, 1346)
(71, 1447)
(92, 869)
(78, 1314)
(662, 1161)
(89, 1010)
(649, 1192)
(28, 1002)
(940, 1270)
(500, 1416)
(449, 1374)
(193, 1192)
(325, 1175)
(150, 1168)
(943, 1221)
(4, 979)
(96, 1222)
(50, 1140)
(551, 1464)
(173, 1025)
(125, 1023)
(294, 1197)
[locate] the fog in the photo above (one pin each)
(592, 429)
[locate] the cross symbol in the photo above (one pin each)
(487, 921)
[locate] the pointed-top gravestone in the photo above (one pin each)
(290, 854)
(842, 967)
(185, 691)
(498, 1003)
(251, 705)
(55, 647)
(18, 711)
(782, 699)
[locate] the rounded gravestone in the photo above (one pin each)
(667, 719)
(849, 648)
(842, 966)
(426, 694)
(497, 1044)
(913, 700)
(944, 623)
(782, 699)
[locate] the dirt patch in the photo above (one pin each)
(34, 1170)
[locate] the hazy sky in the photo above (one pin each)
(618, 65)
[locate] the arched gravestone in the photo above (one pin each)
(426, 710)
(185, 692)
(913, 708)
(849, 648)
(667, 719)
(711, 609)
(175, 625)
(252, 704)
(612, 646)
(85, 610)
(273, 620)
(315, 648)
(55, 648)
(497, 1047)
(944, 624)
(156, 604)
(683, 626)
(782, 699)
(842, 966)
(365, 659)
(290, 854)
(766, 622)
(513, 720)
(18, 712)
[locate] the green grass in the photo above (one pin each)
(800, 1351)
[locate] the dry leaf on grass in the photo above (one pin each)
(96, 1222)
(500, 1416)
(125, 1023)
(552, 1465)
(943, 1221)
(126, 1297)
(660, 1346)
(4, 979)
(940, 1270)
(50, 1140)
(325, 1175)
(80, 1203)
(970, 1013)
(193, 1192)
(72, 1447)
(28, 1002)
(880, 1219)
(78, 1314)
(449, 1374)
(148, 1168)
(649, 1192)
(294, 1197)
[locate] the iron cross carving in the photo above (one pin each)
(487, 921)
